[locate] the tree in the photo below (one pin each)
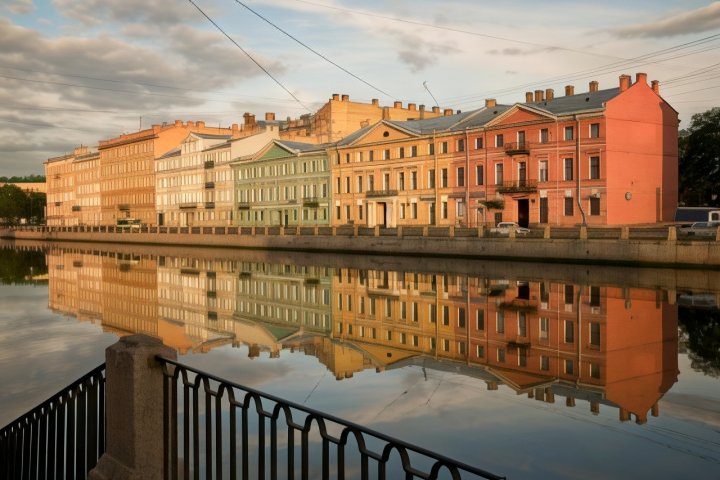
(699, 160)
(14, 204)
(701, 327)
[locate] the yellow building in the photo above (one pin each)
(60, 179)
(86, 207)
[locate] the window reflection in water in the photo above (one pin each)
(549, 340)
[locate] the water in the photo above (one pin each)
(526, 370)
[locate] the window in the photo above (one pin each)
(347, 212)
(569, 331)
(401, 181)
(337, 212)
(594, 206)
(522, 357)
(479, 351)
(359, 184)
(595, 334)
(402, 211)
(431, 178)
(594, 296)
(460, 208)
(413, 210)
(501, 355)
(543, 171)
(413, 180)
(432, 313)
(594, 168)
(386, 154)
(569, 206)
(431, 149)
(443, 209)
(461, 145)
(371, 155)
(479, 175)
(444, 178)
(386, 181)
(568, 164)
(461, 177)
(522, 324)
(388, 308)
(569, 367)
(415, 317)
(413, 151)
(544, 328)
(401, 152)
(569, 133)
(544, 363)
(500, 322)
(544, 135)
(371, 182)
(347, 184)
(444, 147)
(498, 174)
(499, 141)
(478, 143)
(594, 130)
(594, 370)
(360, 212)
(480, 320)
(403, 310)
(446, 315)
(347, 160)
(461, 317)
(569, 294)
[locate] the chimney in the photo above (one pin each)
(569, 90)
(594, 86)
(178, 123)
(345, 98)
(335, 96)
(490, 102)
(448, 112)
(656, 86)
(249, 119)
(375, 102)
(624, 82)
(528, 97)
(539, 96)
(422, 108)
(397, 104)
(269, 116)
(200, 124)
(549, 94)
(436, 109)
(234, 128)
(190, 123)
(411, 107)
(641, 77)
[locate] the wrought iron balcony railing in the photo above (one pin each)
(312, 202)
(517, 148)
(381, 193)
(209, 164)
(209, 205)
(209, 185)
(243, 205)
(517, 186)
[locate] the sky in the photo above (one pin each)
(73, 72)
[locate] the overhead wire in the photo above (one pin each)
(267, 72)
(266, 20)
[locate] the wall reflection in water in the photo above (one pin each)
(554, 342)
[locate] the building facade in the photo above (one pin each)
(286, 183)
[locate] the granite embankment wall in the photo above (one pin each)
(666, 252)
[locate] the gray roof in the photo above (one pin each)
(577, 103)
(210, 136)
(355, 135)
(302, 147)
(172, 153)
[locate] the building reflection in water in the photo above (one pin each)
(551, 341)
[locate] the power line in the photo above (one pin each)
(457, 30)
(249, 56)
(313, 50)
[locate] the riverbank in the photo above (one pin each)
(425, 242)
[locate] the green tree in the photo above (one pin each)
(699, 160)
(14, 204)
(701, 327)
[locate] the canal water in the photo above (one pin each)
(525, 370)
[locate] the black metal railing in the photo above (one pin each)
(517, 148)
(213, 427)
(62, 437)
(381, 193)
(517, 186)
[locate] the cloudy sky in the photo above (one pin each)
(76, 71)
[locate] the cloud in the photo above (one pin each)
(20, 7)
(695, 21)
(96, 12)
(514, 51)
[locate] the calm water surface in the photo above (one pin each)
(528, 371)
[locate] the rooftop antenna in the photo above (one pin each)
(433, 96)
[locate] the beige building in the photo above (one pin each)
(340, 117)
(86, 208)
(60, 180)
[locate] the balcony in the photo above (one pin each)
(124, 207)
(381, 193)
(209, 205)
(517, 148)
(209, 164)
(76, 208)
(188, 205)
(243, 205)
(518, 186)
(209, 185)
(312, 202)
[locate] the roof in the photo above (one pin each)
(355, 135)
(172, 153)
(210, 136)
(301, 147)
(576, 103)
(218, 145)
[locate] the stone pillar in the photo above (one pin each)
(355, 230)
(400, 231)
(281, 232)
(334, 231)
(451, 231)
(624, 233)
(425, 232)
(672, 234)
(134, 410)
(480, 231)
(583, 232)
(546, 232)
(377, 230)
(511, 233)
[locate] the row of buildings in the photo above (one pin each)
(600, 157)
(597, 343)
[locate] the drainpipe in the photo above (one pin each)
(577, 162)
(437, 198)
(486, 175)
(331, 202)
(557, 173)
(467, 178)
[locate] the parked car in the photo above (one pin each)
(701, 229)
(504, 228)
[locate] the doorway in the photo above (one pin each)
(382, 214)
(523, 212)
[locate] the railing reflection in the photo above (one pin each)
(602, 344)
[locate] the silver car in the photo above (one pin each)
(504, 228)
(701, 229)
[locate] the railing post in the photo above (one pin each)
(451, 231)
(425, 231)
(377, 231)
(546, 232)
(134, 410)
(624, 233)
(480, 231)
(583, 232)
(672, 234)
(400, 231)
